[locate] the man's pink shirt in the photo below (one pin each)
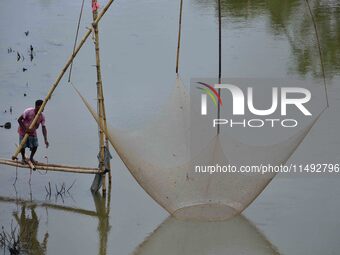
(28, 117)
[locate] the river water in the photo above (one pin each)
(138, 44)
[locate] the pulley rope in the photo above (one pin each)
(219, 49)
(219, 60)
(76, 38)
(179, 35)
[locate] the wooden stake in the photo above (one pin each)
(55, 84)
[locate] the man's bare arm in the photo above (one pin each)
(44, 131)
(21, 124)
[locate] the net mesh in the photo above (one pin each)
(159, 158)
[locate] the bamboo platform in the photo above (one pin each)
(51, 167)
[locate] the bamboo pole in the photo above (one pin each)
(107, 145)
(30, 164)
(54, 168)
(106, 141)
(59, 77)
(100, 96)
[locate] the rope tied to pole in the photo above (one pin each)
(219, 59)
(76, 38)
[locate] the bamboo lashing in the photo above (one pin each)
(55, 84)
(52, 167)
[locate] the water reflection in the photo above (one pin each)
(27, 221)
(291, 20)
(235, 236)
(28, 232)
(103, 211)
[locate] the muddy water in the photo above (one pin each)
(138, 43)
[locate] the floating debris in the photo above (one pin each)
(31, 53)
(7, 125)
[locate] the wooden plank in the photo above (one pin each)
(52, 167)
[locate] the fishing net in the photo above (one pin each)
(161, 159)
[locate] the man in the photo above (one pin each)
(25, 121)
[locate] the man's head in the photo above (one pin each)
(38, 103)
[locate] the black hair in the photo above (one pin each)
(38, 103)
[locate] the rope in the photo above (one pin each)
(76, 38)
(219, 41)
(320, 52)
(219, 59)
(179, 35)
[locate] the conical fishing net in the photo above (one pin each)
(160, 159)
